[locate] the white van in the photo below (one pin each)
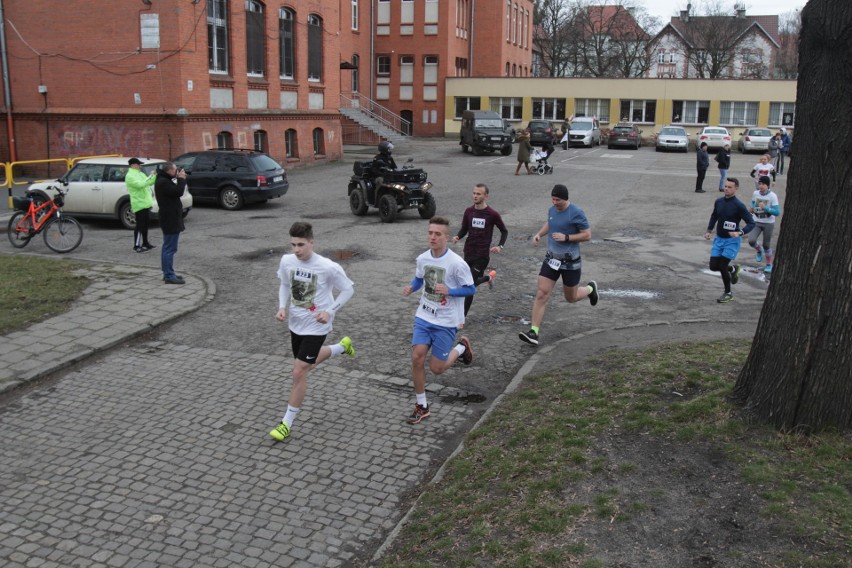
(584, 131)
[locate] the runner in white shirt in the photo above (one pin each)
(307, 281)
(446, 279)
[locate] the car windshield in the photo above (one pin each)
(537, 125)
(715, 131)
(264, 163)
(151, 167)
(489, 123)
(673, 132)
(585, 125)
(759, 132)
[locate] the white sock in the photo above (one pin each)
(460, 348)
(336, 349)
(290, 416)
(421, 398)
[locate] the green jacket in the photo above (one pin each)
(139, 189)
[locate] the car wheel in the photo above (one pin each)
(428, 208)
(357, 202)
(657, 149)
(465, 148)
(387, 208)
(506, 150)
(126, 216)
(609, 146)
(230, 198)
(477, 151)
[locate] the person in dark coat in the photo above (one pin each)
(168, 189)
(723, 158)
(524, 149)
(702, 164)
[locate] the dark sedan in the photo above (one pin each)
(541, 132)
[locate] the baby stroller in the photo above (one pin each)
(541, 166)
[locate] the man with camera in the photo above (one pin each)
(169, 187)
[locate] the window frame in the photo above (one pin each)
(318, 140)
(383, 61)
(224, 136)
(750, 111)
(600, 111)
(699, 107)
(355, 15)
(468, 106)
(217, 21)
(291, 144)
(315, 48)
(644, 118)
(510, 108)
(255, 44)
(283, 48)
(540, 108)
(782, 109)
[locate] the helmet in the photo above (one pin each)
(385, 147)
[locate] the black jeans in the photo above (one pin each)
(699, 181)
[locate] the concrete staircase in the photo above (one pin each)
(373, 117)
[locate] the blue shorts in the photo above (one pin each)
(439, 337)
(726, 247)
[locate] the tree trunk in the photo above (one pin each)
(798, 375)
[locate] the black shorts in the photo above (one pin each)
(306, 347)
(570, 278)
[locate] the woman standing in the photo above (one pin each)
(524, 148)
(723, 158)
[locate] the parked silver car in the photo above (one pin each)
(584, 131)
(96, 189)
(754, 140)
(673, 138)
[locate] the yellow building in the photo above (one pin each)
(650, 103)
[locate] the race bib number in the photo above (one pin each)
(302, 275)
(429, 308)
(555, 264)
(477, 223)
(729, 226)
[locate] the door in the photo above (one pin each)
(85, 189)
(409, 116)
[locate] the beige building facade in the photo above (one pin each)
(650, 103)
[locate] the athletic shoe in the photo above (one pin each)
(346, 342)
(759, 256)
(281, 431)
(420, 412)
(735, 274)
(768, 269)
(149, 247)
(699, 191)
(529, 337)
(593, 295)
(491, 276)
(139, 249)
(467, 356)
(725, 298)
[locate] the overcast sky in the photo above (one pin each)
(665, 9)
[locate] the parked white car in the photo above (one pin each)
(584, 131)
(96, 189)
(715, 136)
(755, 140)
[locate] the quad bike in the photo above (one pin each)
(390, 191)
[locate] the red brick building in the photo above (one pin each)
(162, 77)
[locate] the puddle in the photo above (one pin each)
(463, 397)
(630, 293)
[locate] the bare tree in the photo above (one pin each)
(787, 60)
(798, 375)
(552, 37)
(713, 40)
(633, 59)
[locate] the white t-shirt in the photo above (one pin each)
(760, 202)
(449, 269)
(306, 289)
(762, 170)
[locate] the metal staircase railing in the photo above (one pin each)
(376, 114)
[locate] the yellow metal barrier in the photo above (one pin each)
(8, 169)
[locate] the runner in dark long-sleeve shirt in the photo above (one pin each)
(728, 212)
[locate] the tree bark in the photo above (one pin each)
(798, 375)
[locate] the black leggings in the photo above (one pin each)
(722, 264)
(477, 269)
(140, 234)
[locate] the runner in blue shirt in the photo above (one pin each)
(728, 211)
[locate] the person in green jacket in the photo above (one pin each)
(141, 200)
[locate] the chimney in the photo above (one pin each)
(684, 14)
(741, 10)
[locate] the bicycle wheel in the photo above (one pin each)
(63, 234)
(20, 230)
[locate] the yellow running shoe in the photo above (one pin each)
(281, 431)
(346, 342)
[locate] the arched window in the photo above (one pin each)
(286, 42)
(507, 69)
(255, 39)
(514, 70)
(314, 48)
(319, 142)
(224, 140)
(291, 143)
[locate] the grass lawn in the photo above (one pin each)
(33, 289)
(635, 458)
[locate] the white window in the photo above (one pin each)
(509, 107)
(548, 109)
(286, 25)
(406, 69)
(508, 20)
(691, 112)
(515, 24)
(383, 65)
(430, 70)
(738, 113)
(592, 107)
(782, 114)
(354, 14)
(466, 103)
(638, 110)
(217, 35)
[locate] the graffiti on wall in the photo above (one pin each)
(77, 139)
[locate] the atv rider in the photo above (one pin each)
(383, 162)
